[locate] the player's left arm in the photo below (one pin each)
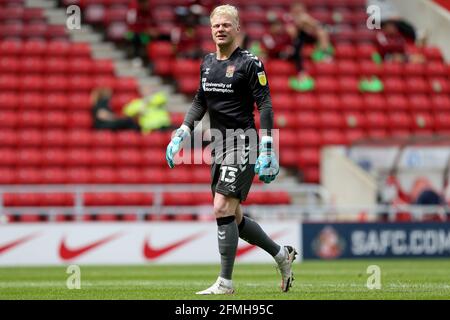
(267, 166)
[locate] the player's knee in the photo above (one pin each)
(221, 210)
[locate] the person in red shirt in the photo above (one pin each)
(277, 44)
(141, 27)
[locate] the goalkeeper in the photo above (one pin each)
(231, 81)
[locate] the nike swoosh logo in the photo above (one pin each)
(249, 247)
(16, 243)
(70, 253)
(152, 253)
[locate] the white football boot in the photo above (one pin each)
(287, 276)
(221, 286)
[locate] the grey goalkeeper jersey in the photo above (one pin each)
(228, 91)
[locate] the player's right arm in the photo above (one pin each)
(195, 113)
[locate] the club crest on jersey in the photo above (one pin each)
(230, 71)
(262, 78)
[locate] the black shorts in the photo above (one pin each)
(233, 171)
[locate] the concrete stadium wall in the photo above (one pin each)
(348, 184)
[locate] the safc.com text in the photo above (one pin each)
(400, 242)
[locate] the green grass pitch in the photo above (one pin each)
(345, 279)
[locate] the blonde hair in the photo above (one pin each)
(227, 9)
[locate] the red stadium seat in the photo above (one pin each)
(154, 176)
(376, 120)
(11, 47)
(397, 102)
(129, 157)
(326, 85)
(128, 138)
(352, 102)
(283, 101)
(128, 175)
(309, 157)
(153, 157)
(307, 119)
(30, 137)
(78, 101)
(9, 83)
(9, 119)
(329, 102)
(201, 175)
(394, 85)
(354, 135)
(8, 137)
(417, 85)
(8, 100)
(345, 51)
(305, 101)
(54, 138)
(8, 176)
(79, 138)
(80, 49)
(348, 84)
(56, 101)
(286, 120)
(104, 175)
(400, 120)
(54, 157)
(440, 102)
(159, 49)
(354, 120)
(392, 69)
(9, 65)
(103, 139)
(423, 121)
(56, 66)
(309, 138)
(34, 48)
(333, 137)
(56, 119)
(347, 68)
(419, 102)
(80, 120)
(79, 175)
(8, 157)
(279, 67)
(324, 69)
(54, 175)
(188, 85)
(178, 199)
(58, 48)
(288, 138)
(442, 121)
(79, 157)
(413, 70)
(81, 66)
(29, 176)
(331, 120)
(103, 66)
(55, 84)
(102, 156)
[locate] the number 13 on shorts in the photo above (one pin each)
(228, 174)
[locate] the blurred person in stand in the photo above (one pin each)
(277, 44)
(304, 29)
(103, 115)
(185, 37)
(149, 112)
(141, 29)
